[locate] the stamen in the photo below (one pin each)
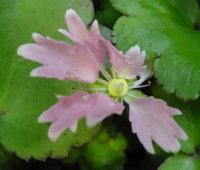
(129, 98)
(106, 74)
(113, 73)
(132, 96)
(137, 86)
(102, 81)
(96, 89)
(116, 99)
(143, 78)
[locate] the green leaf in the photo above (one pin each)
(181, 162)
(189, 120)
(105, 152)
(106, 14)
(24, 98)
(166, 28)
(5, 158)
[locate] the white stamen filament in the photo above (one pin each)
(113, 73)
(96, 89)
(106, 74)
(132, 96)
(143, 78)
(116, 99)
(138, 86)
(102, 81)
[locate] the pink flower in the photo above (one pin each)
(151, 119)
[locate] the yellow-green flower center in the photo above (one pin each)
(118, 87)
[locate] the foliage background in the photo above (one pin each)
(168, 30)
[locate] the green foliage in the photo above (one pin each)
(23, 98)
(105, 152)
(105, 32)
(5, 157)
(181, 162)
(166, 28)
(106, 14)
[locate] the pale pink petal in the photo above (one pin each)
(61, 60)
(79, 33)
(134, 55)
(151, 119)
(66, 113)
(75, 25)
(69, 35)
(45, 71)
(103, 107)
(97, 41)
(127, 65)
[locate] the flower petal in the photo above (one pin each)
(66, 113)
(102, 107)
(79, 33)
(152, 120)
(97, 40)
(126, 65)
(61, 60)
(75, 25)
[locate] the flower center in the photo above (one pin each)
(118, 87)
